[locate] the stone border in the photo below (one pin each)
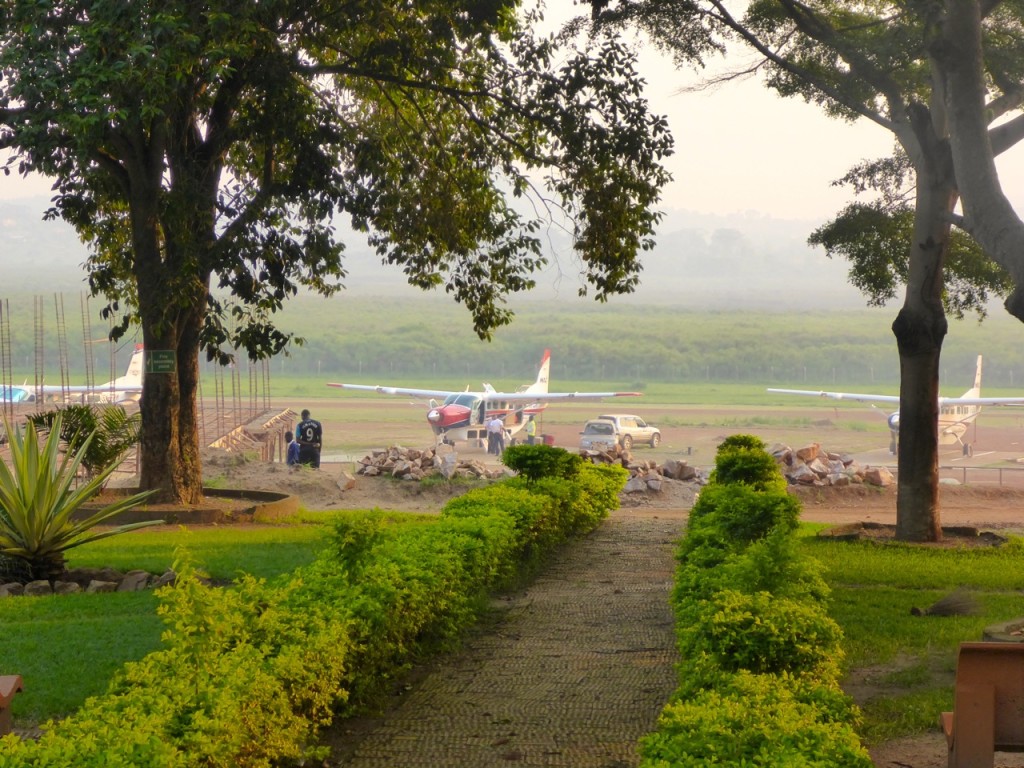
(266, 505)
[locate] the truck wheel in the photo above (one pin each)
(655, 439)
(627, 442)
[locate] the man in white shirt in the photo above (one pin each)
(495, 436)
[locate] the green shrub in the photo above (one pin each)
(764, 635)
(752, 720)
(740, 514)
(741, 442)
(539, 461)
(743, 459)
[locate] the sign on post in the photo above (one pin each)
(161, 361)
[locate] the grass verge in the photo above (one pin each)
(67, 647)
(900, 667)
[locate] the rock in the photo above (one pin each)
(134, 581)
(879, 476)
(678, 470)
(809, 453)
(97, 587)
(346, 482)
(38, 588)
(14, 589)
(167, 577)
(83, 576)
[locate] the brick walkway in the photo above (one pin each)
(573, 674)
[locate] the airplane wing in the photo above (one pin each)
(862, 398)
(401, 391)
(551, 397)
(490, 395)
(868, 398)
(981, 401)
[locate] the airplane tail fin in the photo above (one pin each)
(975, 391)
(540, 386)
(133, 375)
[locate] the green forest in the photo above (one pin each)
(429, 340)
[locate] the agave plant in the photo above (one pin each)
(39, 494)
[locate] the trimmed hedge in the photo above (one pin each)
(250, 674)
(759, 677)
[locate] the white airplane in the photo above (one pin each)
(955, 413)
(127, 388)
(464, 415)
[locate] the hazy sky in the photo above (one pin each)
(740, 148)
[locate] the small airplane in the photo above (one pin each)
(127, 388)
(464, 415)
(955, 413)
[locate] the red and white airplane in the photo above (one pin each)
(464, 415)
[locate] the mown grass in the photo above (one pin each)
(67, 647)
(909, 660)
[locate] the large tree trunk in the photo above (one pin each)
(171, 307)
(170, 436)
(920, 328)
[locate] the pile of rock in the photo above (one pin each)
(812, 465)
(90, 580)
(643, 475)
(415, 464)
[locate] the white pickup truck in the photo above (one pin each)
(623, 429)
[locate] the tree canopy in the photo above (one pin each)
(943, 79)
(203, 150)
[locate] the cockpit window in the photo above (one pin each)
(461, 398)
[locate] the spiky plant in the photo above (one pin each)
(39, 495)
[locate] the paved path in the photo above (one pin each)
(573, 674)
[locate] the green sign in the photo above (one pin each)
(161, 361)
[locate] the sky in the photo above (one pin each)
(739, 148)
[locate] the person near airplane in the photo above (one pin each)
(309, 435)
(531, 430)
(495, 436)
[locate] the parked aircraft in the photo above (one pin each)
(122, 389)
(464, 415)
(955, 413)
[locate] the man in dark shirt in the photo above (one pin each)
(309, 435)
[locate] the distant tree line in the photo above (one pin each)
(622, 344)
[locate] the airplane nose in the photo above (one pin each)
(433, 415)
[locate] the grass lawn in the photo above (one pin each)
(66, 648)
(903, 664)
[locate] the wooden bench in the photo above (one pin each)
(9, 685)
(988, 705)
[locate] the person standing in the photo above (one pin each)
(309, 435)
(531, 430)
(495, 437)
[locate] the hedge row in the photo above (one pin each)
(249, 674)
(759, 676)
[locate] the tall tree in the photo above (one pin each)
(883, 62)
(203, 148)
